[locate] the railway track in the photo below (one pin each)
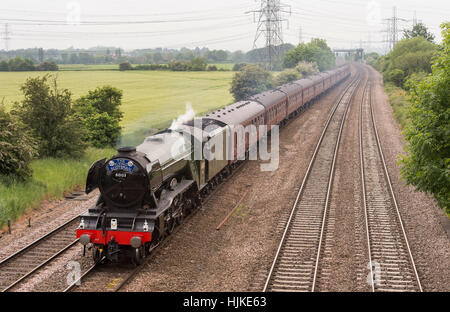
(391, 263)
(296, 263)
(19, 266)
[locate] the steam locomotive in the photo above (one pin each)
(146, 191)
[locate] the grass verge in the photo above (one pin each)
(400, 101)
(51, 179)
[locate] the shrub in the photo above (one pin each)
(239, 66)
(396, 76)
(212, 68)
(198, 64)
(125, 66)
(152, 67)
(249, 81)
(47, 110)
(103, 129)
(100, 112)
(17, 147)
(307, 68)
(179, 66)
(48, 66)
(287, 75)
(427, 166)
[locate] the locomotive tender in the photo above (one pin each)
(145, 192)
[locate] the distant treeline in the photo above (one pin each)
(20, 64)
(112, 55)
(196, 64)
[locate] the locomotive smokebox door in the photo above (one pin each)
(93, 175)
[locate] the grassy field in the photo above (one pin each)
(151, 99)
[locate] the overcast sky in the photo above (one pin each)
(132, 24)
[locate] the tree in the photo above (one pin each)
(315, 51)
(4, 66)
(101, 115)
(427, 165)
(17, 147)
(419, 30)
(408, 56)
(286, 76)
(249, 81)
(19, 64)
(41, 55)
(47, 110)
(198, 64)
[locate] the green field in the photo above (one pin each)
(151, 99)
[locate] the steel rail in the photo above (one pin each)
(391, 192)
(363, 185)
(37, 241)
(35, 244)
(330, 185)
(305, 179)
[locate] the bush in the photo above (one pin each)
(103, 130)
(286, 76)
(17, 147)
(100, 112)
(414, 79)
(198, 64)
(307, 68)
(125, 66)
(396, 76)
(48, 66)
(179, 66)
(212, 68)
(239, 66)
(152, 67)
(428, 164)
(249, 81)
(47, 110)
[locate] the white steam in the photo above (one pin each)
(188, 116)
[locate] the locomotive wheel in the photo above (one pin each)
(170, 221)
(138, 256)
(96, 255)
(178, 209)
